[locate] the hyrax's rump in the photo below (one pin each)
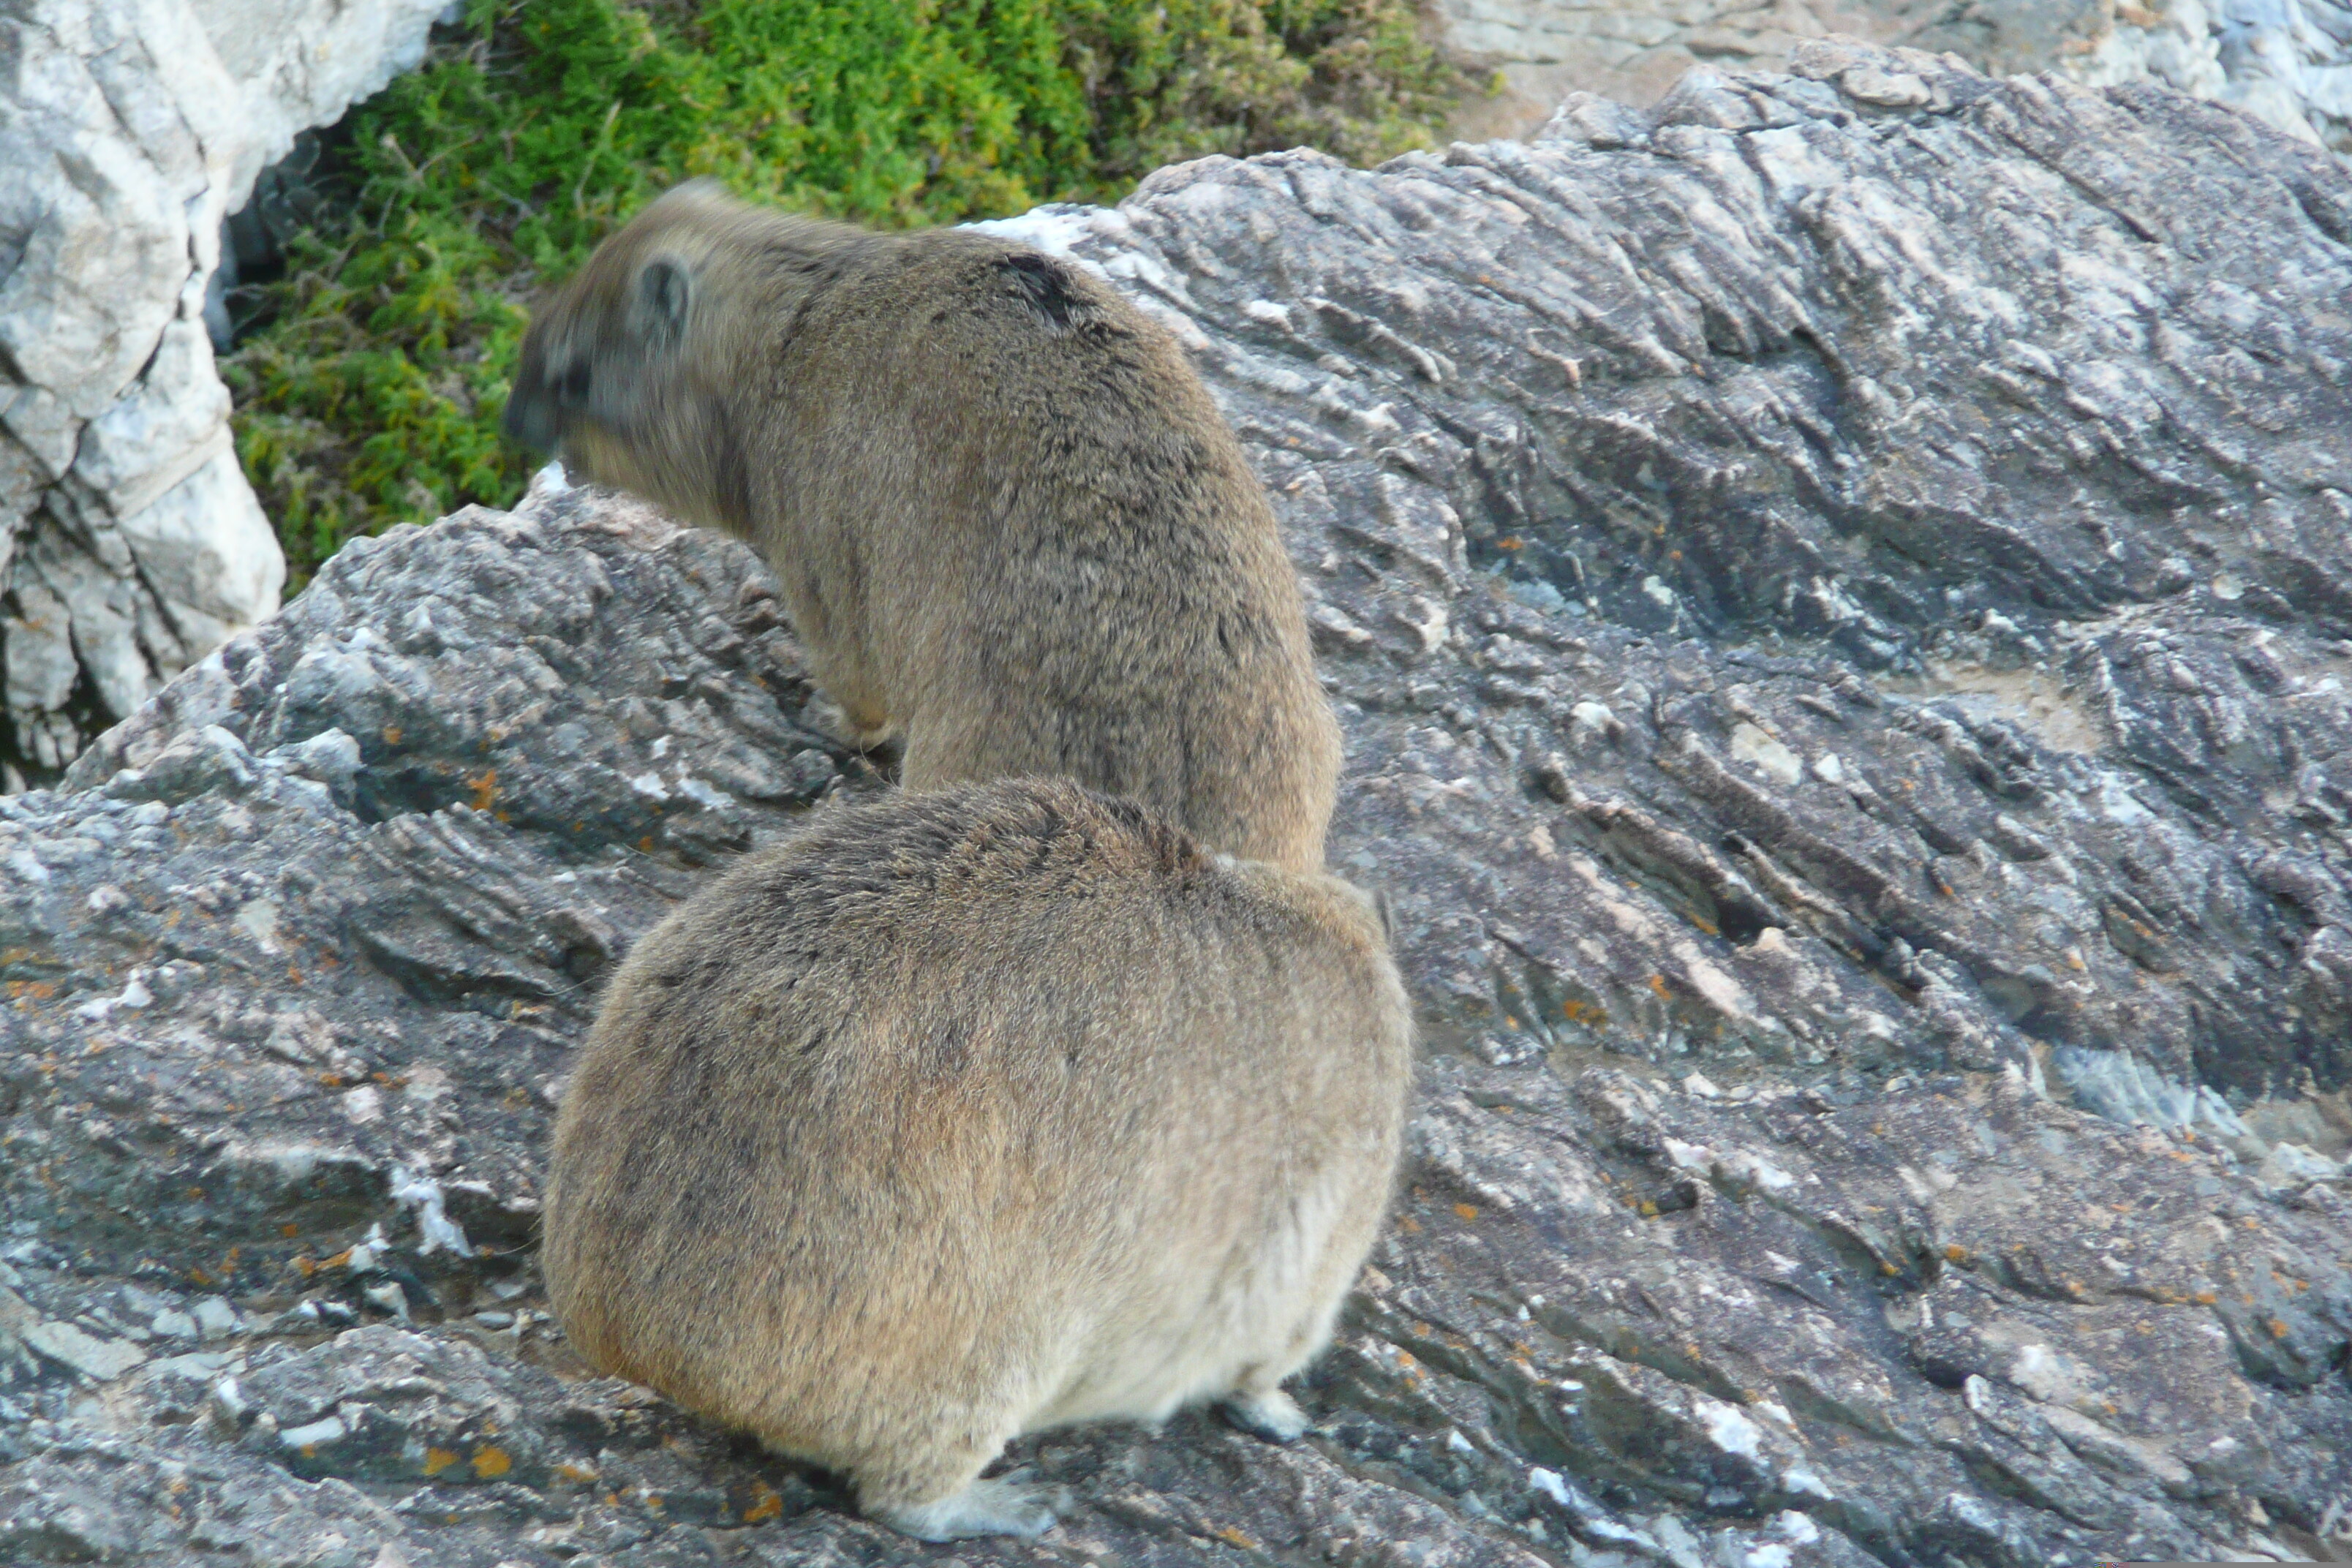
(1010, 522)
(972, 1113)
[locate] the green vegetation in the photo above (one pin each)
(372, 394)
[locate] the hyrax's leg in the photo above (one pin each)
(1259, 1407)
(936, 1493)
(982, 1508)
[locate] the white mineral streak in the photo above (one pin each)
(437, 1232)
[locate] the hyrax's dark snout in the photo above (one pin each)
(530, 417)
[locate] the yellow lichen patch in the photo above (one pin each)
(1466, 1211)
(438, 1460)
(1408, 1225)
(2278, 1328)
(765, 1505)
(1658, 984)
(578, 1475)
(491, 1461)
(484, 788)
(1232, 1535)
(1956, 1253)
(392, 734)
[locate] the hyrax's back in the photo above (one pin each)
(1011, 522)
(970, 1112)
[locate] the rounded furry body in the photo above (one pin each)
(972, 1113)
(1010, 524)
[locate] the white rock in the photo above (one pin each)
(134, 128)
(216, 1317)
(100, 1361)
(315, 1435)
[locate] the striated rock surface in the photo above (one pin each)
(1837, 592)
(2286, 62)
(130, 543)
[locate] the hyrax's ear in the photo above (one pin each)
(664, 293)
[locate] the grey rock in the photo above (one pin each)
(1838, 602)
(2282, 61)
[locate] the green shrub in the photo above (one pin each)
(372, 393)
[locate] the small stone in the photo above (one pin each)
(1896, 90)
(100, 1361)
(216, 1317)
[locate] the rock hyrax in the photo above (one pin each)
(1012, 527)
(975, 1111)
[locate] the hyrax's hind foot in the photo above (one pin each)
(1273, 1416)
(982, 1508)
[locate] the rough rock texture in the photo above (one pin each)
(130, 543)
(1838, 592)
(2286, 62)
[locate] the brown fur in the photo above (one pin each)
(972, 1113)
(1010, 522)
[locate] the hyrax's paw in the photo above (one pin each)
(1273, 1416)
(984, 1508)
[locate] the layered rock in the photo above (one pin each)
(1837, 593)
(2286, 62)
(130, 544)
